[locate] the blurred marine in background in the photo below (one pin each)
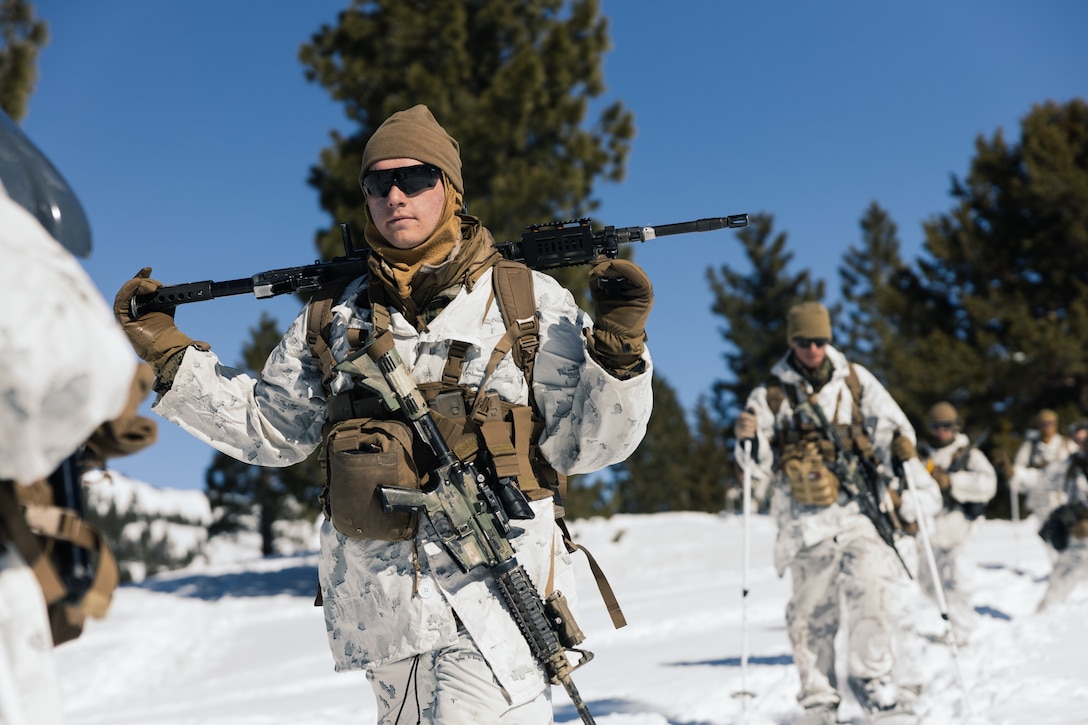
(967, 481)
(841, 566)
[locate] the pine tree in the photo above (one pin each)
(656, 477)
(711, 470)
(511, 80)
(872, 276)
(756, 306)
(238, 491)
(22, 37)
(1001, 314)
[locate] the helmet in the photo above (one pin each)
(34, 183)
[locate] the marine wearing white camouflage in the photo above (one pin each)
(973, 482)
(52, 396)
(1043, 448)
(830, 548)
(424, 631)
(1070, 567)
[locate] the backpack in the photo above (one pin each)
(511, 444)
(70, 558)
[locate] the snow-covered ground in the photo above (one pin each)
(239, 643)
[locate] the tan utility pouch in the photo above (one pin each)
(811, 482)
(363, 454)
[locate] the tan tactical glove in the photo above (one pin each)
(902, 448)
(941, 477)
(154, 336)
(745, 426)
(622, 295)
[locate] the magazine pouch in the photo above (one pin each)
(361, 455)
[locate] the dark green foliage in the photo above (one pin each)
(999, 314)
(21, 37)
(656, 476)
(511, 80)
(755, 306)
(238, 491)
(865, 332)
(711, 471)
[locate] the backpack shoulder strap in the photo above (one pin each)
(853, 384)
(512, 285)
(319, 324)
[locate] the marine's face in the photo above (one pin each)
(942, 433)
(809, 351)
(406, 220)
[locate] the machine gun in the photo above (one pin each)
(461, 505)
(542, 247)
(857, 475)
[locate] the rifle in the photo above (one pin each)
(974, 509)
(460, 502)
(858, 476)
(542, 247)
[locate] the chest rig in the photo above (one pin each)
(475, 423)
(789, 442)
(472, 421)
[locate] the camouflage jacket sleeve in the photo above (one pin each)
(274, 420)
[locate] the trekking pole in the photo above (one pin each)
(938, 585)
(744, 693)
(1014, 505)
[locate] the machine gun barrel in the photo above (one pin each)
(573, 242)
(542, 247)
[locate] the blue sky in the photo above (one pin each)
(187, 130)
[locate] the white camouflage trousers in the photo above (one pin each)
(450, 686)
(956, 586)
(1070, 570)
(851, 574)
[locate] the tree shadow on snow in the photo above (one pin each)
(993, 613)
(298, 581)
(774, 660)
(565, 711)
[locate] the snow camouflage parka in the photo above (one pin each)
(801, 526)
(385, 601)
(1031, 474)
(975, 483)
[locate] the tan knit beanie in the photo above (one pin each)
(1046, 415)
(414, 134)
(943, 412)
(809, 319)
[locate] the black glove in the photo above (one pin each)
(622, 295)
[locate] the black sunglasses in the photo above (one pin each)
(942, 426)
(409, 179)
(803, 342)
